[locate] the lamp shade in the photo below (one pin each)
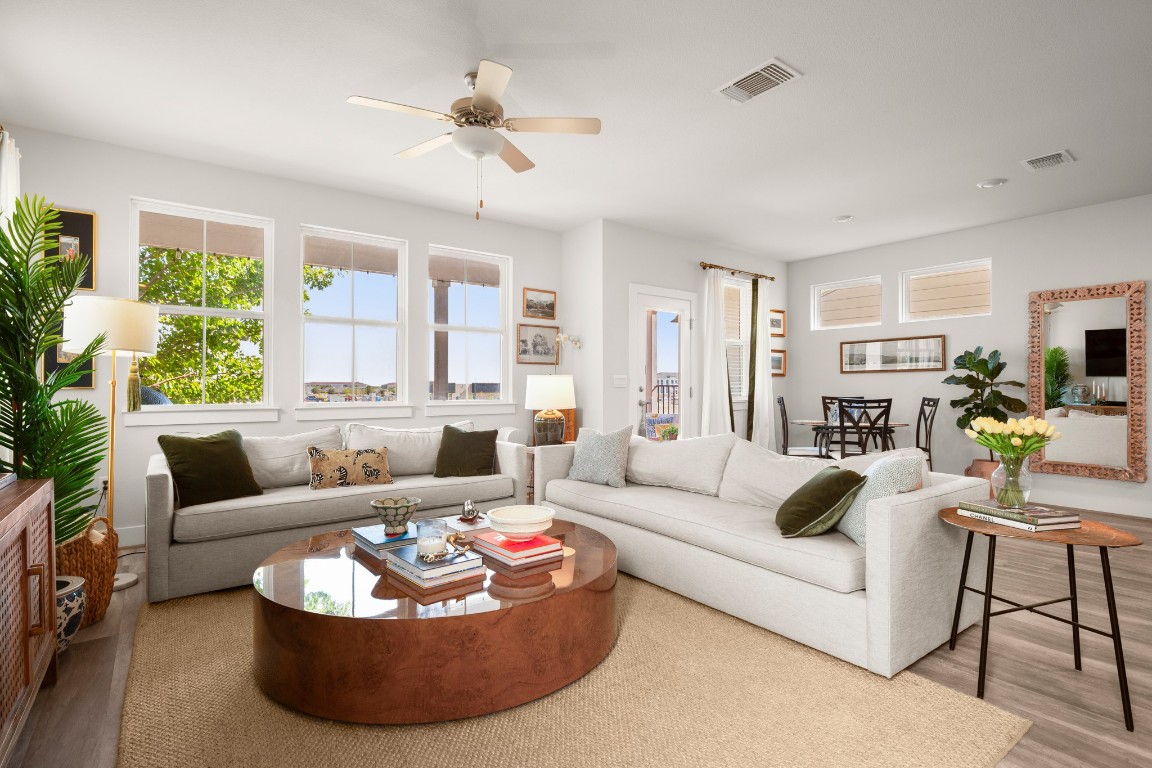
(549, 392)
(131, 326)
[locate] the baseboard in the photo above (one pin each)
(130, 535)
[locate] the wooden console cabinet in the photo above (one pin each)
(27, 603)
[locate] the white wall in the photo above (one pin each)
(1105, 243)
(86, 175)
(582, 300)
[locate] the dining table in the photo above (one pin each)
(826, 429)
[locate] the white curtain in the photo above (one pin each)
(715, 412)
(764, 407)
(9, 175)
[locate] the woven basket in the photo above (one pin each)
(91, 555)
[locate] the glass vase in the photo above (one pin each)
(1012, 482)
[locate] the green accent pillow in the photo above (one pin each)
(819, 504)
(211, 468)
(465, 454)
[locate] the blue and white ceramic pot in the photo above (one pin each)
(69, 608)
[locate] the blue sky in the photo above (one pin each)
(667, 342)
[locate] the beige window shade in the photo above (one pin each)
(458, 269)
(949, 293)
(731, 312)
(857, 304)
(344, 254)
(733, 333)
(161, 230)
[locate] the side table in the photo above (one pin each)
(1089, 534)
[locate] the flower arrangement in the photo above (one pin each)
(563, 338)
(1014, 440)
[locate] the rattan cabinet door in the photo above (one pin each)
(15, 660)
(41, 585)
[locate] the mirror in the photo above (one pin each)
(1099, 404)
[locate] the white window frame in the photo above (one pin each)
(905, 292)
(200, 413)
(745, 341)
(506, 403)
(814, 300)
(305, 410)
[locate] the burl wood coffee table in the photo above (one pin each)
(338, 640)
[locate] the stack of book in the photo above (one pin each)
(372, 541)
(519, 554)
(1032, 517)
(430, 596)
(405, 562)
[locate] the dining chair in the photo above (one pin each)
(862, 420)
(817, 450)
(924, 421)
(828, 405)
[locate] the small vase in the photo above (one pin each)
(69, 608)
(1012, 482)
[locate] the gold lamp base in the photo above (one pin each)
(548, 428)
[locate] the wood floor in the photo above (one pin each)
(1077, 715)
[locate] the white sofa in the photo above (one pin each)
(881, 607)
(218, 545)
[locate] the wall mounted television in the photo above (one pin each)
(1106, 352)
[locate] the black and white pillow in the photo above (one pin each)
(887, 477)
(601, 458)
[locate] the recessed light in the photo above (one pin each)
(842, 219)
(991, 183)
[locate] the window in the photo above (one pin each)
(952, 290)
(846, 303)
(211, 274)
(466, 308)
(737, 328)
(353, 317)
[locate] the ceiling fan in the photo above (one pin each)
(477, 118)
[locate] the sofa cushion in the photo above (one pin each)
(298, 507)
(819, 504)
(887, 477)
(281, 461)
(330, 468)
(861, 463)
(208, 468)
(464, 453)
(600, 458)
(755, 475)
(410, 451)
(695, 464)
(740, 531)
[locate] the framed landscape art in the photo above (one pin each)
(536, 344)
(78, 236)
(914, 353)
(57, 358)
(778, 362)
(539, 303)
(778, 322)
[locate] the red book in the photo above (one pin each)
(491, 541)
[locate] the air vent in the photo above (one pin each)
(760, 80)
(1063, 157)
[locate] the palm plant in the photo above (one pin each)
(64, 439)
(1057, 377)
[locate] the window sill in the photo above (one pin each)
(468, 408)
(342, 411)
(168, 415)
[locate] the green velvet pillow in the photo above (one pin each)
(465, 454)
(819, 504)
(211, 468)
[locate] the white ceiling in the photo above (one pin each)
(902, 108)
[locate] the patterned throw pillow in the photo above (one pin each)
(601, 459)
(330, 468)
(887, 477)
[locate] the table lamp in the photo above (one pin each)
(129, 326)
(549, 394)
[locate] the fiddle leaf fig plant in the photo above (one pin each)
(984, 397)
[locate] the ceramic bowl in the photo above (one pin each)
(520, 522)
(395, 513)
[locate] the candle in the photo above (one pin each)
(431, 536)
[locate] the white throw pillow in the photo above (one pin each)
(1076, 413)
(695, 464)
(861, 463)
(282, 461)
(887, 477)
(764, 478)
(410, 451)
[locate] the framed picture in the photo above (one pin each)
(78, 236)
(539, 303)
(778, 362)
(915, 353)
(778, 322)
(57, 358)
(536, 344)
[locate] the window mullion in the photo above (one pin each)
(204, 321)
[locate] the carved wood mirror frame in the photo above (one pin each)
(1136, 471)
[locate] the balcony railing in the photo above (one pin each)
(666, 396)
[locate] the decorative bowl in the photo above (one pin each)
(520, 522)
(395, 513)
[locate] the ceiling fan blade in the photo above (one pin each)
(364, 101)
(491, 80)
(515, 159)
(553, 124)
(426, 146)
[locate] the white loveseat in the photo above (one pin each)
(218, 545)
(881, 607)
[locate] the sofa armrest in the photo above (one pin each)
(160, 504)
(512, 460)
(913, 570)
(509, 434)
(552, 462)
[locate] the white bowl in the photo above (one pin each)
(520, 522)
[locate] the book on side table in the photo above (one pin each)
(406, 562)
(1032, 517)
(512, 553)
(373, 539)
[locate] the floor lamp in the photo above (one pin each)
(129, 326)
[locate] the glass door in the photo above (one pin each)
(661, 327)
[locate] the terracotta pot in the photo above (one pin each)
(983, 468)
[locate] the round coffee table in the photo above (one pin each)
(341, 639)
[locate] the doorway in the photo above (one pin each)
(660, 361)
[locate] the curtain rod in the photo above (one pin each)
(706, 265)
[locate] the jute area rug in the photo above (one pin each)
(685, 686)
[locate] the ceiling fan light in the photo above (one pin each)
(477, 142)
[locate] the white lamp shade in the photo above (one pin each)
(550, 392)
(131, 326)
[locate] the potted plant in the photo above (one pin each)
(1057, 377)
(1013, 441)
(984, 399)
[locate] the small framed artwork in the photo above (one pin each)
(778, 362)
(915, 353)
(536, 344)
(778, 322)
(539, 304)
(78, 236)
(56, 358)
